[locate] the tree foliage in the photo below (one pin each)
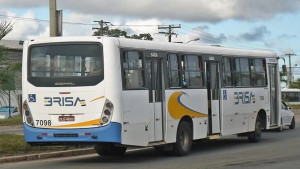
(283, 77)
(121, 33)
(7, 70)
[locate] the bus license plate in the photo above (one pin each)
(66, 118)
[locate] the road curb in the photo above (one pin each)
(40, 156)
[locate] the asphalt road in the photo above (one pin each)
(277, 150)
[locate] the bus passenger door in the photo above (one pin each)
(273, 94)
(154, 76)
(213, 89)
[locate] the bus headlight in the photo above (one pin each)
(106, 113)
(27, 114)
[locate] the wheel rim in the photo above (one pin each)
(258, 130)
(184, 140)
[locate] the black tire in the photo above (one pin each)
(109, 149)
(255, 136)
(165, 150)
(183, 139)
(279, 129)
(293, 124)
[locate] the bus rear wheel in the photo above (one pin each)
(183, 139)
(255, 136)
(109, 149)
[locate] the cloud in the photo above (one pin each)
(208, 38)
(285, 36)
(188, 10)
(257, 34)
(26, 29)
(70, 29)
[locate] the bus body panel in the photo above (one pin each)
(240, 108)
(110, 133)
(85, 104)
(186, 102)
(135, 119)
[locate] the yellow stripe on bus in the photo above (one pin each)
(177, 110)
(97, 98)
(82, 124)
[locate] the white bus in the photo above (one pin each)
(290, 96)
(118, 92)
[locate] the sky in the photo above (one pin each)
(251, 24)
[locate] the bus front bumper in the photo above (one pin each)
(110, 133)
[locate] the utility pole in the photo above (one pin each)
(289, 77)
(169, 29)
(55, 19)
(101, 23)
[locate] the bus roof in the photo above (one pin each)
(203, 49)
(162, 46)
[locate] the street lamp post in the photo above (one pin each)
(196, 39)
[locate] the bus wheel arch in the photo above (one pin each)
(260, 123)
(262, 116)
(184, 137)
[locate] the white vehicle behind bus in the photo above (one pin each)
(287, 117)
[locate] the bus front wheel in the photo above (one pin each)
(183, 139)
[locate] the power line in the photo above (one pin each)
(170, 31)
(75, 23)
(236, 42)
(101, 23)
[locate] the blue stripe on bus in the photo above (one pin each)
(110, 133)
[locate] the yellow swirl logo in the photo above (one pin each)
(177, 109)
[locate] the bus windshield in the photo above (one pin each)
(65, 64)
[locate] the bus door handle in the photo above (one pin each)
(157, 119)
(236, 113)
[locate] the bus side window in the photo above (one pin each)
(258, 72)
(242, 72)
(227, 72)
(173, 70)
(192, 71)
(133, 70)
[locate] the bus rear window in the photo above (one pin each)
(62, 64)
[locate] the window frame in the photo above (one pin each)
(123, 55)
(264, 68)
(184, 70)
(230, 71)
(76, 81)
(240, 72)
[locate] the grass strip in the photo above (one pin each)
(11, 121)
(12, 145)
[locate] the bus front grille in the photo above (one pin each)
(65, 135)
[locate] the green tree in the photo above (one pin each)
(8, 70)
(5, 28)
(283, 77)
(120, 33)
